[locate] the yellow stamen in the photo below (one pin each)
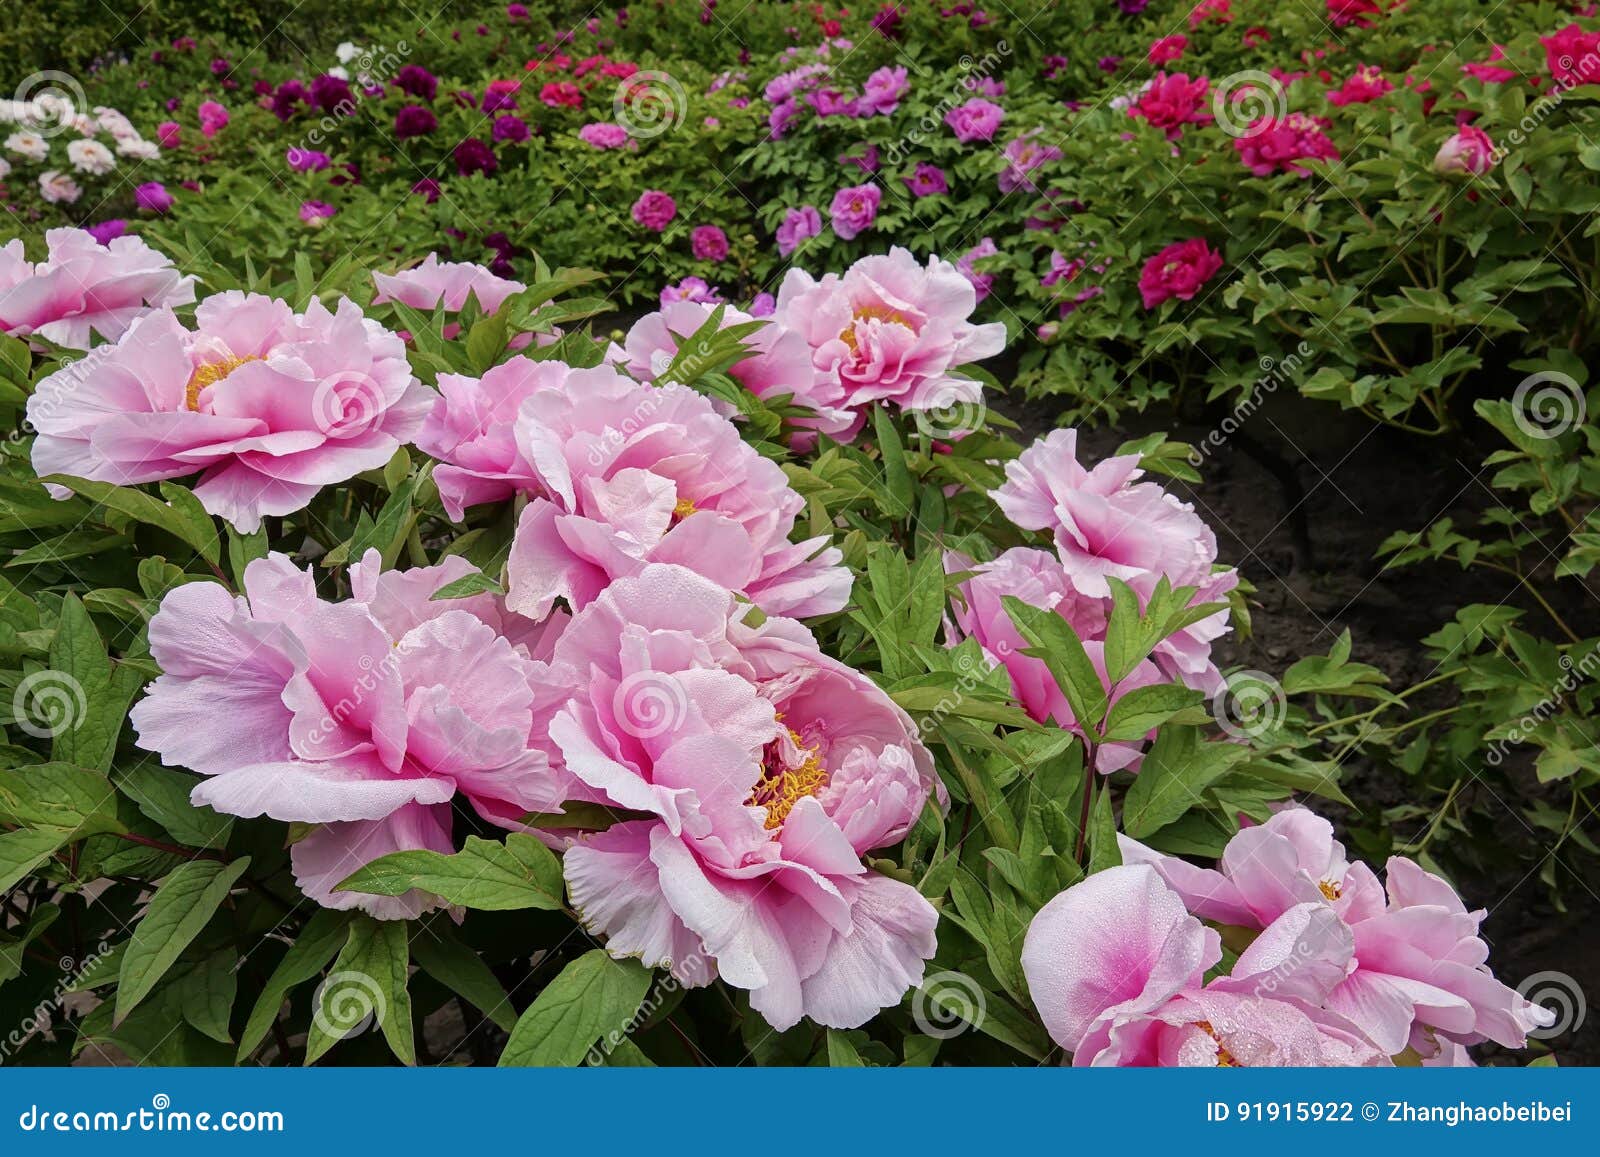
(209, 374)
(781, 787)
(866, 313)
(1330, 889)
(683, 508)
(1224, 1057)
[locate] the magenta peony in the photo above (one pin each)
(854, 210)
(1178, 271)
(655, 210)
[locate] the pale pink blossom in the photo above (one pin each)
(82, 288)
(448, 283)
(633, 474)
(269, 404)
(767, 771)
(363, 717)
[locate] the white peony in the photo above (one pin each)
(58, 188)
(91, 157)
(28, 145)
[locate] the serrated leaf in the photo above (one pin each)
(592, 996)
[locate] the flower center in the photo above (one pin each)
(782, 786)
(870, 313)
(1224, 1057)
(1330, 889)
(209, 374)
(682, 509)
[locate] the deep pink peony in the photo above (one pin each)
(1357, 12)
(633, 474)
(1572, 56)
(1167, 49)
(1178, 271)
(272, 405)
(83, 288)
(1172, 102)
(781, 364)
(709, 243)
(449, 283)
(655, 210)
(1366, 84)
(1280, 144)
(798, 225)
(364, 717)
(1418, 977)
(890, 329)
(1116, 968)
(767, 770)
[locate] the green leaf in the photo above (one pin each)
(468, 584)
(897, 482)
(163, 795)
(1144, 709)
(1052, 639)
(841, 1053)
(317, 944)
(368, 982)
(21, 852)
(209, 990)
(181, 907)
(1177, 769)
(93, 696)
(442, 956)
(592, 997)
(244, 549)
(59, 795)
(181, 515)
(13, 944)
(485, 874)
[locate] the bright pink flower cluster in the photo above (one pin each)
(1282, 144)
(1178, 271)
(1339, 970)
(1172, 102)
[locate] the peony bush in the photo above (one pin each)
(411, 654)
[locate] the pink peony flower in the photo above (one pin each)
(83, 288)
(1488, 71)
(767, 770)
(798, 225)
(364, 717)
(448, 283)
(170, 134)
(1116, 968)
(272, 405)
(1105, 523)
(709, 243)
(1469, 150)
(1023, 155)
(633, 474)
(604, 135)
(1178, 271)
(855, 209)
(213, 118)
(1167, 49)
(890, 329)
(927, 180)
(1418, 975)
(883, 90)
(152, 196)
(1172, 102)
(1366, 84)
(1275, 144)
(780, 365)
(1358, 12)
(976, 120)
(655, 210)
(982, 283)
